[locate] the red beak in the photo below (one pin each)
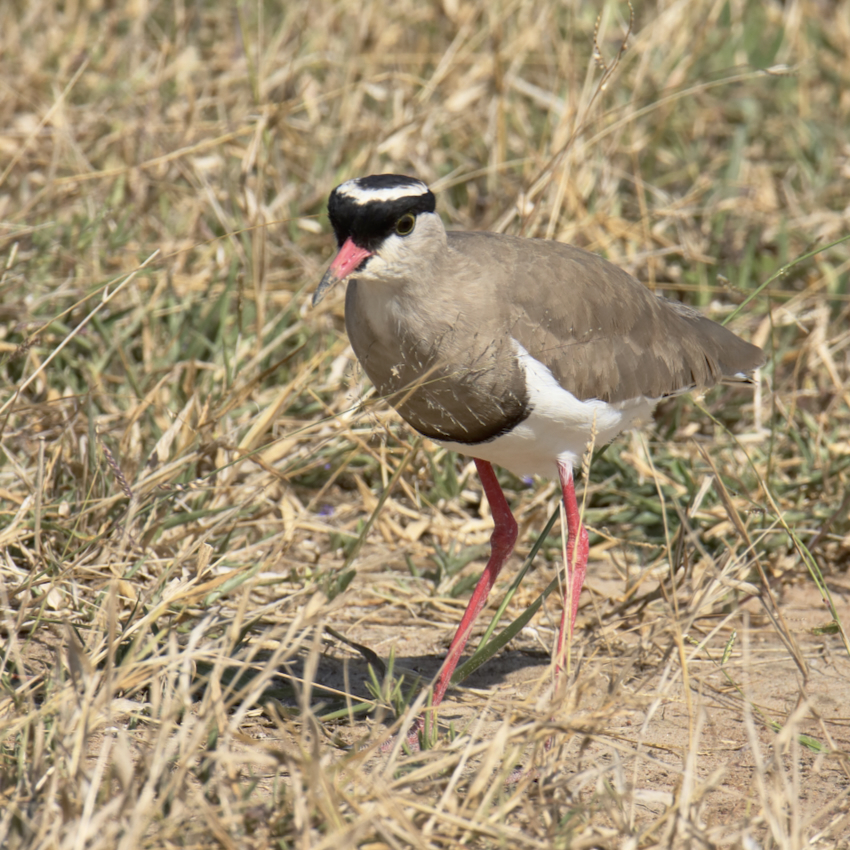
(348, 260)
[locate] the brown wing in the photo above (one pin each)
(601, 332)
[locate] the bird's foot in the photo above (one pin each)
(412, 738)
(520, 773)
(532, 774)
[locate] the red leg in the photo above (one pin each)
(576, 555)
(501, 545)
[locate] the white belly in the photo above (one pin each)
(559, 427)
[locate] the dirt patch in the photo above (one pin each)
(753, 731)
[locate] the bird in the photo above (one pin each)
(514, 351)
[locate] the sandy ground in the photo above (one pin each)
(630, 716)
(627, 721)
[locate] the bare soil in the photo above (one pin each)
(630, 716)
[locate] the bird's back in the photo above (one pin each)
(599, 331)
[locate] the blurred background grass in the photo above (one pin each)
(187, 464)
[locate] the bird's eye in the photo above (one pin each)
(405, 225)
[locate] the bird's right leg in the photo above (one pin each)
(577, 551)
(502, 543)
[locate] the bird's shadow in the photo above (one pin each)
(338, 678)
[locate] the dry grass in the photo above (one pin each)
(188, 474)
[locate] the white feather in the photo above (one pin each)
(559, 427)
(405, 259)
(352, 189)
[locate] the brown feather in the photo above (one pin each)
(441, 346)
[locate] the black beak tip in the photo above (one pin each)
(329, 280)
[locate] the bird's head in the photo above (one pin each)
(385, 227)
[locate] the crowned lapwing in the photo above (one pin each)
(513, 351)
